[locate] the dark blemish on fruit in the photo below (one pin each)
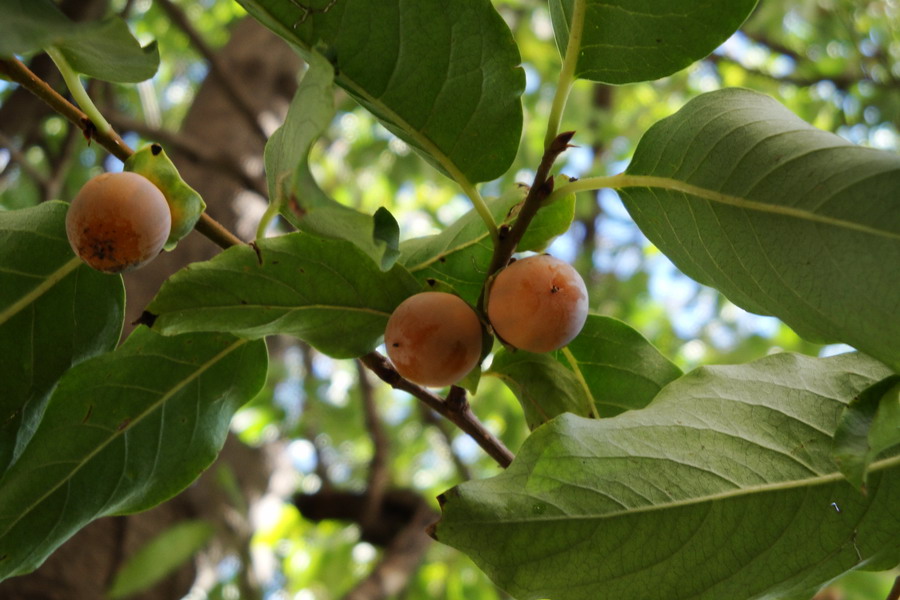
(554, 290)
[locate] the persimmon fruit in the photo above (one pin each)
(433, 339)
(538, 304)
(118, 222)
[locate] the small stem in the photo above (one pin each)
(455, 408)
(539, 194)
(73, 82)
(379, 477)
(894, 594)
(216, 232)
(567, 72)
(481, 208)
(587, 184)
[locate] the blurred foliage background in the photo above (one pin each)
(836, 63)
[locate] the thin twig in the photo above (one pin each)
(378, 468)
(455, 408)
(310, 385)
(110, 140)
(16, 156)
(894, 594)
(61, 163)
(219, 70)
(539, 191)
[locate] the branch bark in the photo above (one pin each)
(455, 408)
(17, 71)
(540, 188)
(894, 594)
(378, 478)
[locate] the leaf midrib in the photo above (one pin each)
(794, 484)
(424, 141)
(671, 184)
(118, 433)
(39, 290)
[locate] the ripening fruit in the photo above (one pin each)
(538, 304)
(433, 339)
(118, 222)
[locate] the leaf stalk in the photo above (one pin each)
(567, 72)
(73, 82)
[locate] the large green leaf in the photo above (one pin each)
(620, 368)
(783, 218)
(443, 75)
(109, 52)
(310, 112)
(869, 426)
(55, 311)
(123, 432)
(324, 291)
(624, 41)
(723, 487)
(101, 49)
(461, 254)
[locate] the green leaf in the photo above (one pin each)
(159, 557)
(784, 219)
(185, 204)
(377, 235)
(551, 221)
(295, 193)
(27, 26)
(326, 292)
(624, 42)
(723, 487)
(543, 386)
(109, 52)
(443, 75)
(102, 49)
(386, 235)
(869, 426)
(309, 114)
(55, 311)
(461, 253)
(622, 370)
(123, 432)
